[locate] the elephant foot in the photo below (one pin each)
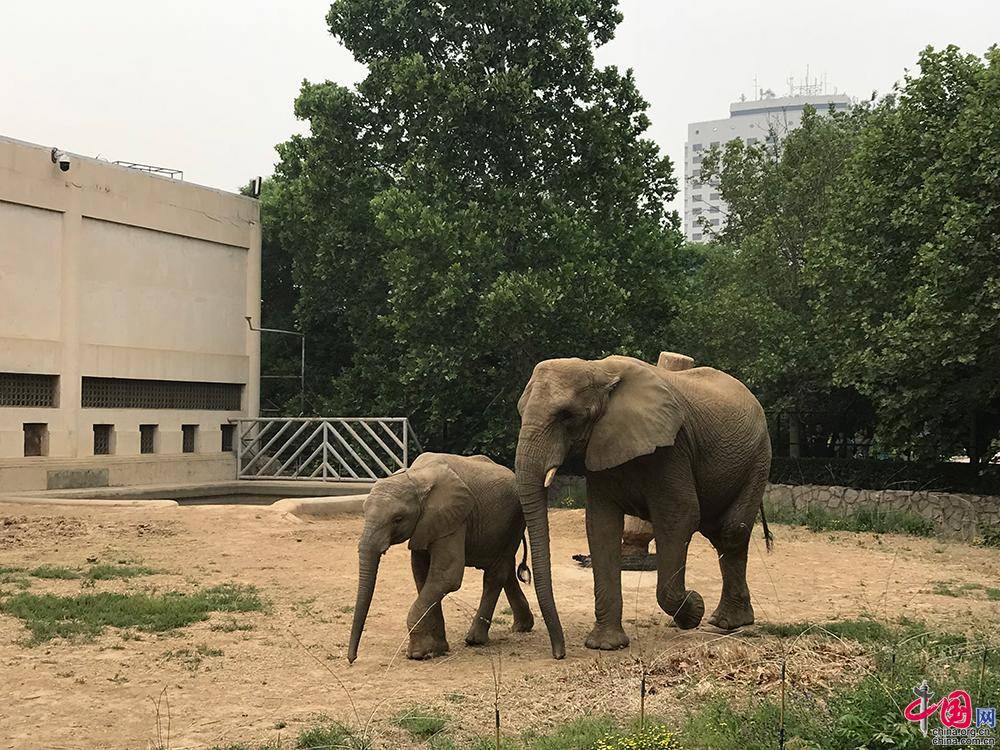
(426, 647)
(478, 635)
(523, 625)
(688, 613)
(607, 638)
(730, 617)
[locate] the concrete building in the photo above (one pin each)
(124, 346)
(760, 121)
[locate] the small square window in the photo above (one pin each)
(228, 430)
(36, 439)
(715, 222)
(104, 437)
(714, 197)
(713, 209)
(190, 436)
(147, 438)
(696, 147)
(696, 211)
(696, 236)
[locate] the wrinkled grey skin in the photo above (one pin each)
(686, 450)
(456, 512)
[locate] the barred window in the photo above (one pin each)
(103, 439)
(189, 433)
(28, 390)
(147, 438)
(122, 393)
(228, 430)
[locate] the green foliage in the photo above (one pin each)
(748, 309)
(864, 519)
(106, 571)
(905, 272)
(324, 736)
(580, 734)
(862, 630)
(989, 536)
(48, 616)
(54, 572)
(650, 737)
(877, 474)
(485, 198)
(421, 723)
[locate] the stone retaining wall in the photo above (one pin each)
(954, 514)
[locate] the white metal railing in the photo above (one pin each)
(333, 449)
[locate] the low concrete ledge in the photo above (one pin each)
(320, 507)
(89, 502)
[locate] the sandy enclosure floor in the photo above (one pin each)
(99, 693)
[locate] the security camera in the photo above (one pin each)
(62, 159)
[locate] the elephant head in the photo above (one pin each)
(611, 411)
(419, 504)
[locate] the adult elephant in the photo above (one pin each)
(687, 450)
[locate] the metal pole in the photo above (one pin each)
(239, 448)
(326, 445)
(406, 444)
(302, 384)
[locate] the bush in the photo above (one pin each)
(873, 474)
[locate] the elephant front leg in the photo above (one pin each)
(675, 515)
(425, 621)
(605, 522)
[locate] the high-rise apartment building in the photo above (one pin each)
(757, 121)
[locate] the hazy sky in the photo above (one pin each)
(207, 86)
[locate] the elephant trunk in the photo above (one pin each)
(531, 464)
(368, 559)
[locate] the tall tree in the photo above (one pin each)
(483, 199)
(907, 271)
(748, 309)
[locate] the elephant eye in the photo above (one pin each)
(398, 518)
(565, 415)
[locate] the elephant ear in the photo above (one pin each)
(445, 498)
(642, 414)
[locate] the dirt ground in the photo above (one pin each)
(290, 669)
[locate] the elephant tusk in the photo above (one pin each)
(550, 475)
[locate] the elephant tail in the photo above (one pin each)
(523, 571)
(768, 536)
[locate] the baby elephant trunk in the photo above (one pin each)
(368, 560)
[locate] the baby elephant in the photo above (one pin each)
(456, 511)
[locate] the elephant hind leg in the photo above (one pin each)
(479, 630)
(732, 542)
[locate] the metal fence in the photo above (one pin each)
(332, 449)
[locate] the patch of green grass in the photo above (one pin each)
(862, 630)
(105, 571)
(989, 536)
(54, 572)
(421, 723)
(584, 732)
(963, 591)
(48, 616)
(864, 519)
(864, 715)
(324, 736)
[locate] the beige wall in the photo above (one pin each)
(111, 272)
